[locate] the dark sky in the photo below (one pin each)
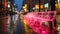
(19, 3)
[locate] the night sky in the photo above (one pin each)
(19, 3)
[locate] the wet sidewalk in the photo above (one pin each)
(19, 27)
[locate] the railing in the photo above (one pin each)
(41, 22)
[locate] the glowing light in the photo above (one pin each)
(37, 6)
(46, 5)
(36, 22)
(8, 6)
(58, 1)
(25, 5)
(41, 6)
(56, 5)
(25, 9)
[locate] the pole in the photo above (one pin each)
(52, 5)
(39, 5)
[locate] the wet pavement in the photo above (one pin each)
(19, 27)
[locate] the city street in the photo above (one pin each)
(19, 27)
(29, 16)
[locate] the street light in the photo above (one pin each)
(41, 6)
(37, 6)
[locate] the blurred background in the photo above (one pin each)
(12, 13)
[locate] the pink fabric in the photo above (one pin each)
(36, 19)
